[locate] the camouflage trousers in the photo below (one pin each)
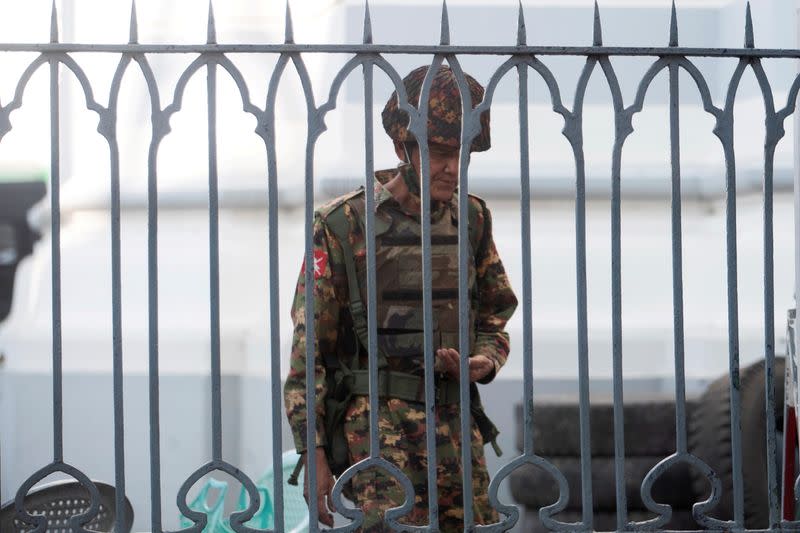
(402, 433)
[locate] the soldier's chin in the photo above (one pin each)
(441, 193)
(441, 197)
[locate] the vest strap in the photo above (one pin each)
(405, 386)
(337, 221)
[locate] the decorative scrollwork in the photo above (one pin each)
(76, 522)
(392, 515)
(511, 512)
(237, 519)
(664, 511)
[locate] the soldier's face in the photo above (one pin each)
(443, 169)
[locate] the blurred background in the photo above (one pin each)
(182, 168)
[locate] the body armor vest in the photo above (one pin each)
(398, 260)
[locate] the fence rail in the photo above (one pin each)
(522, 59)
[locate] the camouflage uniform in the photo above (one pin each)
(401, 423)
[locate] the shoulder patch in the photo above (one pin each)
(332, 205)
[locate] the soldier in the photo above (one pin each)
(342, 402)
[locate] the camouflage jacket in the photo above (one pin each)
(496, 301)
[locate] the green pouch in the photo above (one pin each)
(336, 403)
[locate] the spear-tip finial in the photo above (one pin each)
(597, 37)
(445, 37)
(749, 41)
(289, 30)
(367, 24)
(53, 23)
(211, 32)
(133, 34)
(673, 26)
(522, 37)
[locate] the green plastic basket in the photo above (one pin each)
(217, 523)
(295, 510)
(214, 511)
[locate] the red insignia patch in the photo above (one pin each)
(320, 263)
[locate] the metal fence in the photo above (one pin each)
(524, 60)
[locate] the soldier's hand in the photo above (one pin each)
(479, 365)
(324, 487)
(448, 362)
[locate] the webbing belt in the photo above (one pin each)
(404, 386)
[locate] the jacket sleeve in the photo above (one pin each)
(496, 301)
(327, 305)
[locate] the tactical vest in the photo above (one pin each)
(399, 295)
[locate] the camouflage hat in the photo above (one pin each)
(444, 110)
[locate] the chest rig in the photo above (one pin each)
(399, 286)
(399, 304)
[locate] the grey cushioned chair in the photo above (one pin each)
(61, 500)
